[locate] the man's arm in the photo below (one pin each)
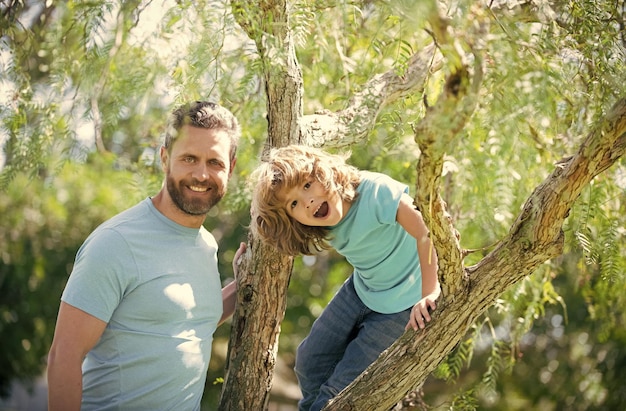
(229, 298)
(229, 293)
(75, 334)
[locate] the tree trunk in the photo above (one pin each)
(263, 277)
(261, 301)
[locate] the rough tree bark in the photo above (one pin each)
(352, 124)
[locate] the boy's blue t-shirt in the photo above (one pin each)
(156, 285)
(387, 274)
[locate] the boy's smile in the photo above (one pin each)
(322, 210)
(310, 204)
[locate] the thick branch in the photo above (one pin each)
(435, 134)
(266, 22)
(535, 237)
(353, 123)
(539, 226)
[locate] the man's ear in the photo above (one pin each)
(164, 158)
(232, 166)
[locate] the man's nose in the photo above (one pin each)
(201, 172)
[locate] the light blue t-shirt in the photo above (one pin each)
(156, 285)
(387, 274)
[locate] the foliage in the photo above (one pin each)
(85, 88)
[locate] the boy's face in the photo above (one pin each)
(310, 204)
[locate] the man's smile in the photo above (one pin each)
(199, 189)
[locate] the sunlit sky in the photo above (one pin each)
(144, 33)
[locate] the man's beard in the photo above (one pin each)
(194, 206)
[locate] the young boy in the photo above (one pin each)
(306, 200)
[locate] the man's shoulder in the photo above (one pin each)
(131, 215)
(120, 225)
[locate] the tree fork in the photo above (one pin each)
(407, 363)
(248, 373)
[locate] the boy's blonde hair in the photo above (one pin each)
(288, 167)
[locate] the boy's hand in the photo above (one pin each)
(420, 313)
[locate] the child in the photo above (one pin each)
(306, 200)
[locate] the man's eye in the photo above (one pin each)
(188, 159)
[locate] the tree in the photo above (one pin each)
(536, 235)
(474, 104)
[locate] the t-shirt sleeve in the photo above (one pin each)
(101, 275)
(387, 193)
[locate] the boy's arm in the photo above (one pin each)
(411, 219)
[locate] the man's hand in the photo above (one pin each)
(237, 259)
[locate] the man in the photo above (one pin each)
(136, 320)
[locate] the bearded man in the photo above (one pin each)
(137, 316)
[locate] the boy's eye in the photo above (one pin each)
(307, 185)
(293, 204)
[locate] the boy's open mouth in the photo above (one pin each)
(322, 210)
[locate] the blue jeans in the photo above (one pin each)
(343, 342)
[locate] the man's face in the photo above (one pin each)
(197, 169)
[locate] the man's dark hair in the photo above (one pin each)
(203, 114)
